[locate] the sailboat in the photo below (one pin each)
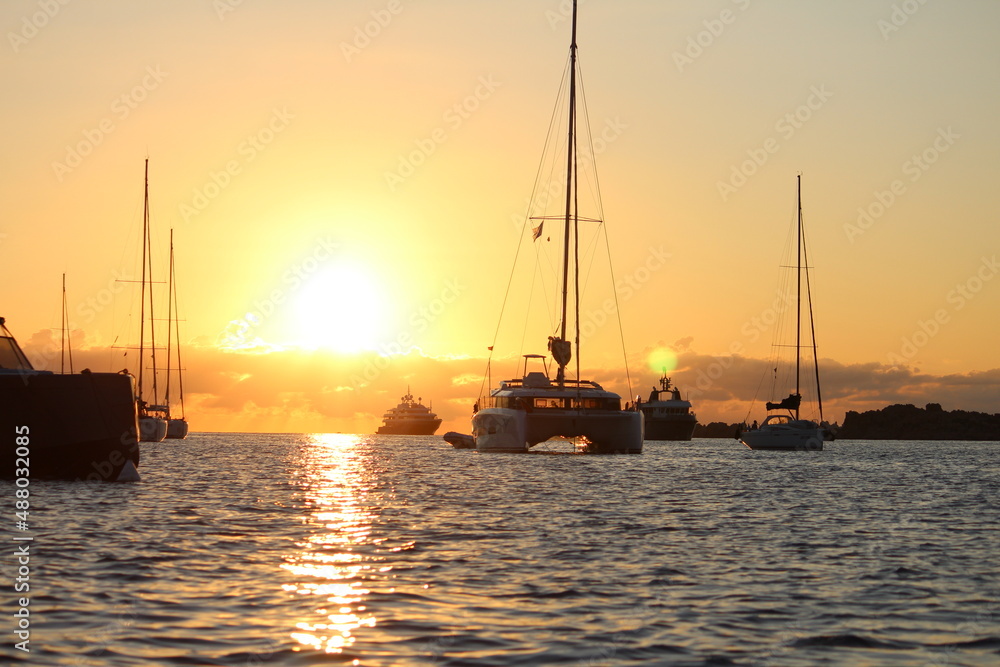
(783, 429)
(177, 427)
(534, 407)
(152, 416)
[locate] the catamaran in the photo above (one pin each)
(535, 407)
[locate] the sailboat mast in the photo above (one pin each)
(152, 317)
(570, 171)
(798, 290)
(66, 343)
(177, 326)
(170, 315)
(142, 299)
(812, 331)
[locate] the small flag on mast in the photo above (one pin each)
(537, 231)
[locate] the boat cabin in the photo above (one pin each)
(535, 391)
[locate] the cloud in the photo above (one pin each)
(318, 391)
(724, 388)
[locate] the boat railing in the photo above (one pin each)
(567, 384)
(546, 403)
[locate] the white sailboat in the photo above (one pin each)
(534, 407)
(152, 415)
(783, 429)
(177, 427)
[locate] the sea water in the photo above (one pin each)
(242, 549)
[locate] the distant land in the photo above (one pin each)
(896, 422)
(907, 422)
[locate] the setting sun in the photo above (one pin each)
(338, 308)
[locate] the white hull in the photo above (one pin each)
(177, 429)
(510, 430)
(152, 429)
(500, 430)
(799, 435)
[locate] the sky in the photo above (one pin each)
(347, 184)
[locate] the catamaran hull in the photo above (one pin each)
(786, 438)
(76, 426)
(500, 430)
(599, 431)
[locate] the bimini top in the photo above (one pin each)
(536, 390)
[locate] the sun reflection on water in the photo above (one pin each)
(328, 565)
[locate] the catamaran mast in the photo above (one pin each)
(570, 200)
(798, 292)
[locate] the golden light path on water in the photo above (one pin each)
(328, 566)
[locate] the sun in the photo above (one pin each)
(338, 308)
(662, 359)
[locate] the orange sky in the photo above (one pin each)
(345, 176)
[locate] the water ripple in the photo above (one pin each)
(307, 550)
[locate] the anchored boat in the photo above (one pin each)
(668, 416)
(65, 426)
(783, 429)
(409, 418)
(524, 411)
